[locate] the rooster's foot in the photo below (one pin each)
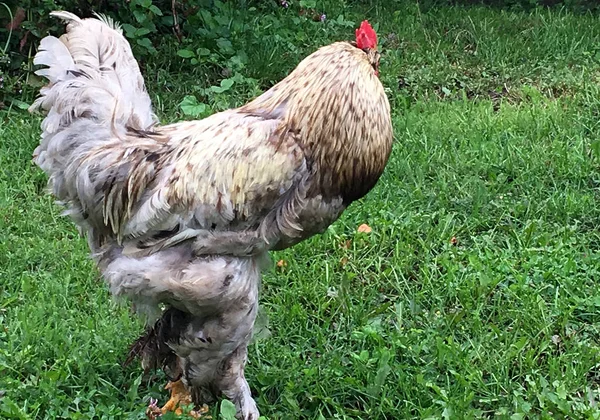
(179, 396)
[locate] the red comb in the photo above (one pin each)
(366, 36)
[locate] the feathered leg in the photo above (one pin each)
(234, 386)
(207, 348)
(219, 368)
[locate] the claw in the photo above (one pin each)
(153, 411)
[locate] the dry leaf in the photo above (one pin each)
(343, 261)
(17, 20)
(364, 228)
(347, 244)
(454, 241)
(281, 263)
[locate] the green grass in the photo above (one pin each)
(498, 146)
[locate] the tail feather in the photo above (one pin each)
(154, 346)
(95, 96)
(54, 54)
(93, 73)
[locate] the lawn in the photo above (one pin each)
(474, 295)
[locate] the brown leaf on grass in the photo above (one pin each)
(346, 244)
(343, 261)
(454, 241)
(281, 263)
(364, 228)
(18, 18)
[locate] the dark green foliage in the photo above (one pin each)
(145, 23)
(214, 35)
(573, 5)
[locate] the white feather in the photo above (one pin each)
(55, 56)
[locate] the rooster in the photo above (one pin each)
(182, 216)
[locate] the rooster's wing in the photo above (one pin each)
(231, 182)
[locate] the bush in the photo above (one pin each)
(209, 37)
(144, 22)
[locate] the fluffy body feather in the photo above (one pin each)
(184, 214)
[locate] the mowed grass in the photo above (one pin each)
(475, 295)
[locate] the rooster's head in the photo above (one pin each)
(366, 40)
